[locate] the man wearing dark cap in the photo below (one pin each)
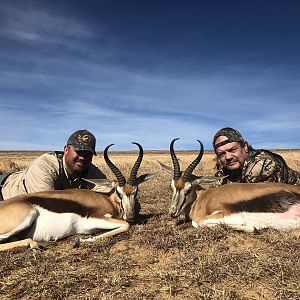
(237, 160)
(58, 170)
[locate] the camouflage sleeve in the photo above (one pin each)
(294, 177)
(225, 179)
(219, 173)
(262, 169)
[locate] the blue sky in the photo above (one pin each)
(149, 71)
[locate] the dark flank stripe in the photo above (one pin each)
(275, 202)
(60, 205)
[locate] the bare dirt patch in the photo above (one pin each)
(158, 258)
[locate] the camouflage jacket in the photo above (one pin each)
(262, 165)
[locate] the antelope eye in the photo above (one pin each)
(188, 190)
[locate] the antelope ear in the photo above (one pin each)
(100, 185)
(145, 177)
(166, 168)
(100, 182)
(209, 181)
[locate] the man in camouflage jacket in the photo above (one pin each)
(237, 160)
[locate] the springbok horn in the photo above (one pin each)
(132, 178)
(193, 165)
(176, 166)
(121, 179)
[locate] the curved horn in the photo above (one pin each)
(193, 165)
(176, 166)
(115, 170)
(134, 170)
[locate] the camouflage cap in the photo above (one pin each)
(83, 140)
(232, 134)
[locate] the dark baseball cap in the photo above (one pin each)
(83, 140)
(232, 134)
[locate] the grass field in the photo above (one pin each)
(158, 258)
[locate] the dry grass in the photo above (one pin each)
(157, 258)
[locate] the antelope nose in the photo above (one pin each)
(173, 213)
(128, 219)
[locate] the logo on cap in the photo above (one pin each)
(86, 138)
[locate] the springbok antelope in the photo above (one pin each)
(242, 206)
(53, 215)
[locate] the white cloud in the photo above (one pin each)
(24, 22)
